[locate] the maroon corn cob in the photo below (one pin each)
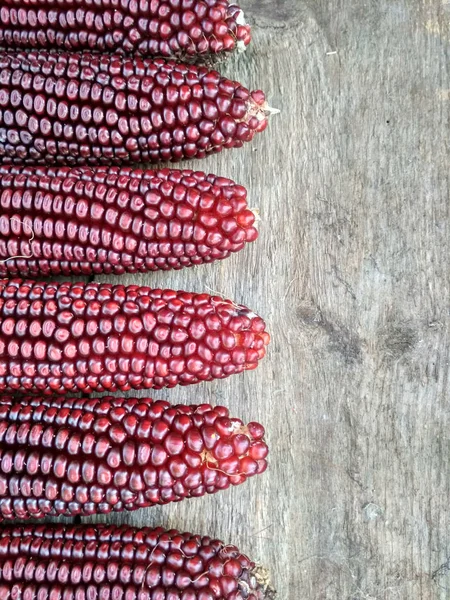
(57, 562)
(184, 29)
(89, 109)
(88, 456)
(87, 220)
(61, 337)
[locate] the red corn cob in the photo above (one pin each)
(60, 337)
(87, 456)
(57, 562)
(181, 29)
(90, 109)
(109, 220)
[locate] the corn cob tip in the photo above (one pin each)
(243, 42)
(262, 577)
(256, 215)
(240, 19)
(259, 111)
(271, 111)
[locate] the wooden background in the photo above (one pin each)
(351, 274)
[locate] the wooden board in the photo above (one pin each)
(351, 274)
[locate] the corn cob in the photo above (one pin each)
(61, 337)
(110, 220)
(190, 31)
(57, 562)
(88, 109)
(88, 456)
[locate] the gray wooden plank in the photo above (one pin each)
(351, 274)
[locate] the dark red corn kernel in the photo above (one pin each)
(86, 220)
(256, 430)
(100, 561)
(62, 337)
(78, 456)
(109, 125)
(194, 32)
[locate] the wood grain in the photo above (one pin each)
(351, 274)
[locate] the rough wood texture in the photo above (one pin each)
(351, 273)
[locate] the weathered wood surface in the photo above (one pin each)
(351, 273)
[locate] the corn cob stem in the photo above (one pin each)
(86, 220)
(62, 337)
(189, 31)
(123, 563)
(82, 456)
(89, 109)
